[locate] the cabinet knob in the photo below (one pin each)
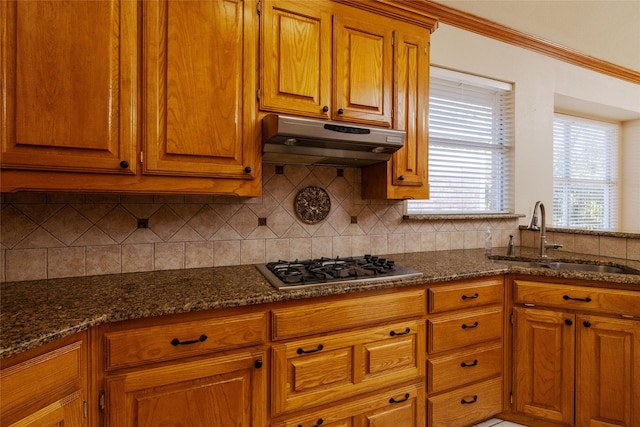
(340, 111)
(586, 324)
(247, 169)
(401, 178)
(325, 109)
(257, 364)
(124, 164)
(568, 322)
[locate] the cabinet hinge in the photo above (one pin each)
(258, 94)
(101, 400)
(259, 8)
(141, 158)
(510, 397)
(85, 409)
(511, 318)
(393, 39)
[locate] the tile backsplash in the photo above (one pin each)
(51, 235)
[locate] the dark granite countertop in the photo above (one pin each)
(33, 313)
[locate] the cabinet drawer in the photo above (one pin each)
(465, 295)
(167, 342)
(43, 379)
(449, 332)
(467, 405)
(314, 318)
(447, 372)
(330, 368)
(401, 406)
(584, 298)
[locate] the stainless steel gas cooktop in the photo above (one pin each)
(322, 271)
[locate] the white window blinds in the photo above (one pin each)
(585, 173)
(470, 140)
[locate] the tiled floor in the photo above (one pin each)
(494, 422)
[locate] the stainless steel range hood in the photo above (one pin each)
(295, 140)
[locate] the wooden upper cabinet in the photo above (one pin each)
(405, 176)
(199, 59)
(321, 59)
(363, 69)
(69, 85)
(295, 59)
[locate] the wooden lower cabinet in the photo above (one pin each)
(220, 391)
(60, 377)
(576, 368)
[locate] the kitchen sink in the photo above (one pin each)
(566, 265)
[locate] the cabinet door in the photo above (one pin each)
(608, 372)
(69, 76)
(544, 364)
(216, 392)
(199, 59)
(363, 69)
(295, 58)
(411, 114)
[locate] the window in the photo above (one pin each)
(585, 173)
(470, 140)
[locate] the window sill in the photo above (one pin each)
(463, 217)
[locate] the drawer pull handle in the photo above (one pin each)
(317, 424)
(567, 297)
(404, 399)
(313, 350)
(468, 402)
(465, 326)
(474, 296)
(176, 341)
(468, 365)
(405, 332)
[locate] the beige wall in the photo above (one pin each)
(543, 85)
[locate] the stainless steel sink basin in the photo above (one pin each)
(567, 265)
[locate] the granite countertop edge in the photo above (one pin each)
(33, 313)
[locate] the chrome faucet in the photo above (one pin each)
(543, 229)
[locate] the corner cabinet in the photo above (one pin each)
(357, 62)
(145, 96)
(576, 357)
(59, 372)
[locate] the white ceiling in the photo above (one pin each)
(605, 29)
